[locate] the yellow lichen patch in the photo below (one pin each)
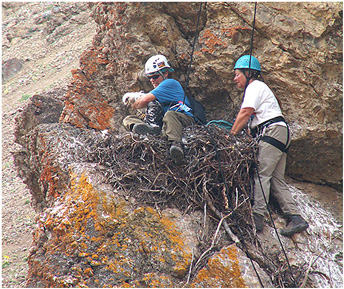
(89, 272)
(223, 270)
(98, 233)
(152, 280)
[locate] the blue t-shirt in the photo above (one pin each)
(170, 94)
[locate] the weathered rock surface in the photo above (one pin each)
(106, 242)
(91, 234)
(10, 68)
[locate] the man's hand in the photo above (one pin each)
(143, 101)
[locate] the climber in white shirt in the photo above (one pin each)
(261, 109)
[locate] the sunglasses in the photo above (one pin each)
(154, 76)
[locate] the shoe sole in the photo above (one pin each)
(143, 130)
(177, 155)
(298, 229)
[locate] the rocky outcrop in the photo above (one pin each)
(89, 238)
(93, 233)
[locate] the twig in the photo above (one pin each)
(212, 207)
(190, 268)
(307, 273)
(204, 220)
(212, 243)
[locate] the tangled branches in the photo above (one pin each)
(217, 168)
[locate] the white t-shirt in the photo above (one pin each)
(260, 97)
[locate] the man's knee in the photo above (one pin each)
(129, 121)
(170, 115)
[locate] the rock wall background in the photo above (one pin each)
(300, 48)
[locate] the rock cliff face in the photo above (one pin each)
(91, 233)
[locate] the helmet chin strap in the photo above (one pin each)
(248, 78)
(162, 74)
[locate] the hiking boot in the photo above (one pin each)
(176, 152)
(258, 221)
(297, 224)
(144, 129)
(154, 114)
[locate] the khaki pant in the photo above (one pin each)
(173, 124)
(271, 168)
(130, 120)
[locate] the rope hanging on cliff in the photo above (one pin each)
(198, 110)
(217, 153)
(192, 52)
(260, 183)
(226, 185)
(251, 47)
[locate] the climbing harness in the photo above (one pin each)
(258, 132)
(276, 143)
(259, 129)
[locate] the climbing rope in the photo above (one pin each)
(216, 149)
(251, 47)
(192, 52)
(255, 157)
(273, 223)
(231, 206)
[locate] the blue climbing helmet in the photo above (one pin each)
(244, 63)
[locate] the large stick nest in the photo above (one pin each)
(217, 170)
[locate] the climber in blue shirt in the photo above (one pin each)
(176, 108)
(170, 94)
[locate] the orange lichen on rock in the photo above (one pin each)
(229, 32)
(47, 179)
(85, 107)
(223, 270)
(211, 41)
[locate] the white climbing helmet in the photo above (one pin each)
(157, 63)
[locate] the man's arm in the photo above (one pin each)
(241, 119)
(143, 101)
